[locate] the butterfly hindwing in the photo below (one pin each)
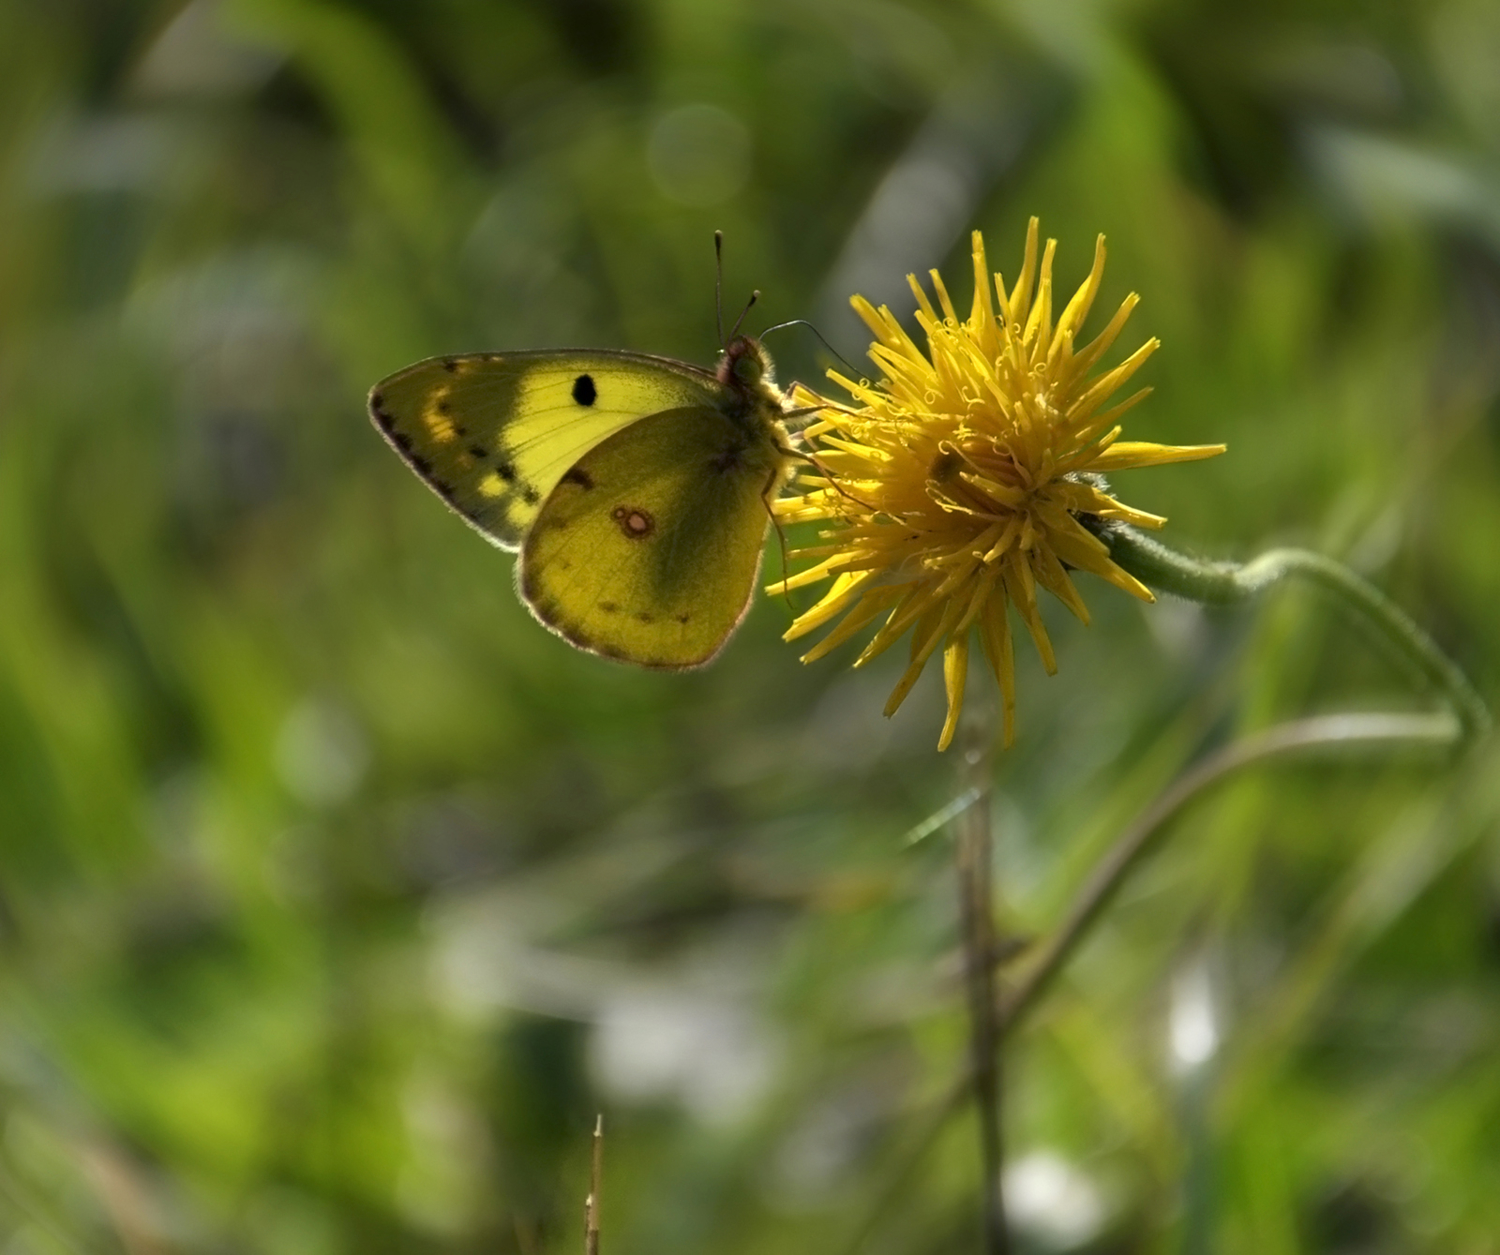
(493, 433)
(648, 547)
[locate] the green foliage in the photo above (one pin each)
(336, 896)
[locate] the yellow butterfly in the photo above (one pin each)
(637, 488)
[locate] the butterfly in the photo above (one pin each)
(636, 488)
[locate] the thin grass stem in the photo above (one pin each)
(974, 856)
(1290, 740)
(591, 1204)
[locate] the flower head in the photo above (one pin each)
(969, 475)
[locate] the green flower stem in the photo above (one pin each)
(1220, 583)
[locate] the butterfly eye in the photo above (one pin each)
(749, 368)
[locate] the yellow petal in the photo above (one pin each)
(1127, 454)
(867, 611)
(994, 635)
(955, 671)
(1083, 300)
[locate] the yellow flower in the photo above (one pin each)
(969, 475)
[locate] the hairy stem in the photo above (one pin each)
(1220, 583)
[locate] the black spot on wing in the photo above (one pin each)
(584, 391)
(529, 494)
(577, 475)
(506, 471)
(450, 364)
(479, 452)
(424, 467)
(403, 441)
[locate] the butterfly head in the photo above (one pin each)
(744, 365)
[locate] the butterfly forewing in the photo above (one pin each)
(493, 433)
(648, 548)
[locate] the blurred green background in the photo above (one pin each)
(336, 896)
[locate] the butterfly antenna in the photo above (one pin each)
(802, 322)
(719, 284)
(749, 305)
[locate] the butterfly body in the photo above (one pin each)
(636, 488)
